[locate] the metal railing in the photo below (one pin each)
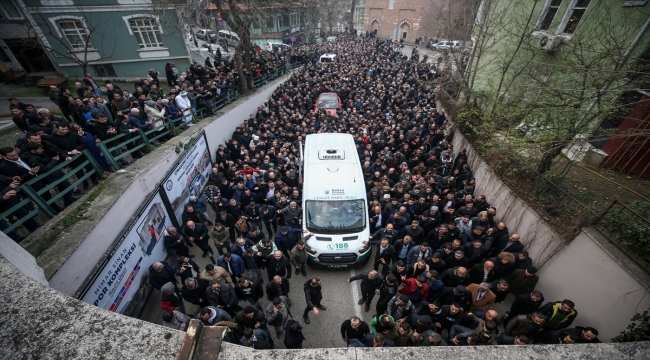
(32, 191)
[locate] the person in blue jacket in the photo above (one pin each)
(285, 239)
(233, 264)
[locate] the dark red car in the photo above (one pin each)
(330, 101)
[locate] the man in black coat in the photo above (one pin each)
(383, 254)
(313, 297)
(525, 304)
(71, 144)
(458, 295)
(455, 276)
(293, 336)
(193, 291)
(250, 291)
(222, 296)
(370, 282)
(278, 264)
(13, 166)
(278, 286)
(198, 234)
(36, 157)
(478, 273)
(176, 243)
(252, 318)
(354, 328)
(510, 244)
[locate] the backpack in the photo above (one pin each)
(241, 225)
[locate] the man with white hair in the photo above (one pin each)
(135, 120)
(183, 103)
(43, 112)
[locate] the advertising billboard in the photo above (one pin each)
(141, 246)
(189, 176)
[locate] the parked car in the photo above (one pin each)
(447, 45)
(203, 34)
(330, 102)
(231, 38)
(224, 54)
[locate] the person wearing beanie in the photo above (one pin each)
(171, 299)
(400, 307)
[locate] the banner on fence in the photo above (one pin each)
(189, 176)
(140, 247)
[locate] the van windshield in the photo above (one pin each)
(335, 217)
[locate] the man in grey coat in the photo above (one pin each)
(277, 314)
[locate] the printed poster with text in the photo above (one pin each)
(189, 176)
(141, 246)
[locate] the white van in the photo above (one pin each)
(229, 37)
(335, 206)
(327, 58)
(331, 39)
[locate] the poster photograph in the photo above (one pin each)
(141, 246)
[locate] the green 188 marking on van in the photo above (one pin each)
(342, 246)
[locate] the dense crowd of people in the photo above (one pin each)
(442, 255)
(89, 116)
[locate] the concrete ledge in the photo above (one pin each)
(37, 322)
(609, 351)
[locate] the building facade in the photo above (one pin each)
(20, 51)
(285, 26)
(110, 38)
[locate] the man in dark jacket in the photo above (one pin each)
(370, 282)
(402, 248)
(510, 244)
(175, 243)
(285, 239)
(222, 296)
(293, 336)
(36, 157)
(250, 291)
(455, 276)
(458, 294)
(252, 318)
(193, 291)
(278, 264)
(523, 281)
(313, 296)
(531, 325)
(233, 264)
(525, 304)
(71, 144)
(198, 234)
(559, 314)
(277, 287)
(354, 328)
(383, 255)
(160, 273)
(482, 273)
